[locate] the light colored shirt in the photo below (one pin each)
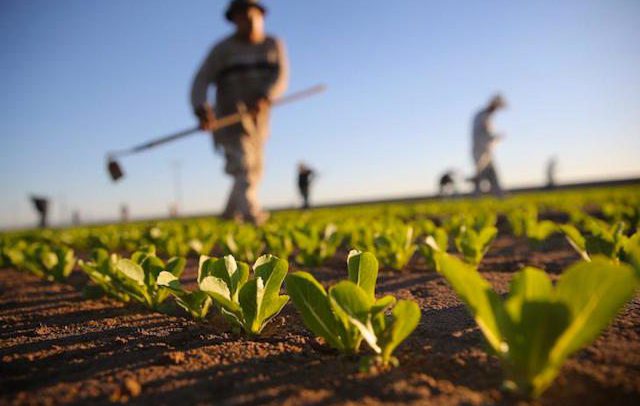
(484, 139)
(242, 72)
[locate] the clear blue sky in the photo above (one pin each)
(81, 77)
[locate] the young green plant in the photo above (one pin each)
(248, 303)
(473, 245)
(349, 312)
(537, 327)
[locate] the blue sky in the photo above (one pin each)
(81, 77)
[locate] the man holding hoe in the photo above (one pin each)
(484, 141)
(249, 70)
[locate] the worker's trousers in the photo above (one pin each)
(244, 156)
(488, 174)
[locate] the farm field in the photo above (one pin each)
(62, 342)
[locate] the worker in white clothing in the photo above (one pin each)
(484, 140)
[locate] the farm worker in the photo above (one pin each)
(447, 183)
(249, 70)
(552, 166)
(305, 177)
(484, 140)
(41, 204)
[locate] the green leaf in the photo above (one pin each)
(483, 303)
(530, 284)
(205, 267)
(131, 270)
(152, 267)
(170, 281)
(311, 300)
(531, 339)
(271, 307)
(352, 305)
(575, 238)
(196, 303)
(272, 270)
(382, 304)
(175, 266)
(49, 260)
(219, 290)
(363, 270)
(406, 316)
(250, 298)
(594, 292)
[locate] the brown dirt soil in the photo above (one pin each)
(58, 348)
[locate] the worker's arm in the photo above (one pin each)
(205, 76)
(280, 81)
(489, 130)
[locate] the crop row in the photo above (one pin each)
(532, 330)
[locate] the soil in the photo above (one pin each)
(57, 347)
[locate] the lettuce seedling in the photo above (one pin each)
(473, 245)
(279, 243)
(437, 241)
(203, 245)
(349, 311)
(138, 276)
(102, 271)
(196, 303)
(537, 327)
(244, 243)
(575, 239)
(396, 246)
(13, 254)
(600, 239)
(248, 303)
(51, 263)
(315, 244)
(539, 231)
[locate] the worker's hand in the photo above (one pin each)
(263, 103)
(206, 117)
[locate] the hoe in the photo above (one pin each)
(241, 116)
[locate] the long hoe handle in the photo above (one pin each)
(223, 122)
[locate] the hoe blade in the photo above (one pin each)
(114, 170)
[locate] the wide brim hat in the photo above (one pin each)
(236, 5)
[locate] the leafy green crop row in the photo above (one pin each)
(533, 330)
(249, 297)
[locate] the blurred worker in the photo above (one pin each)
(249, 69)
(305, 177)
(41, 204)
(75, 218)
(447, 184)
(552, 166)
(124, 213)
(484, 140)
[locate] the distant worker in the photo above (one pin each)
(124, 213)
(41, 204)
(249, 70)
(75, 218)
(305, 177)
(484, 140)
(552, 166)
(447, 184)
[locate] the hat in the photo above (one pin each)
(236, 5)
(498, 101)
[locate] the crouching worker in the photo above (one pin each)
(248, 69)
